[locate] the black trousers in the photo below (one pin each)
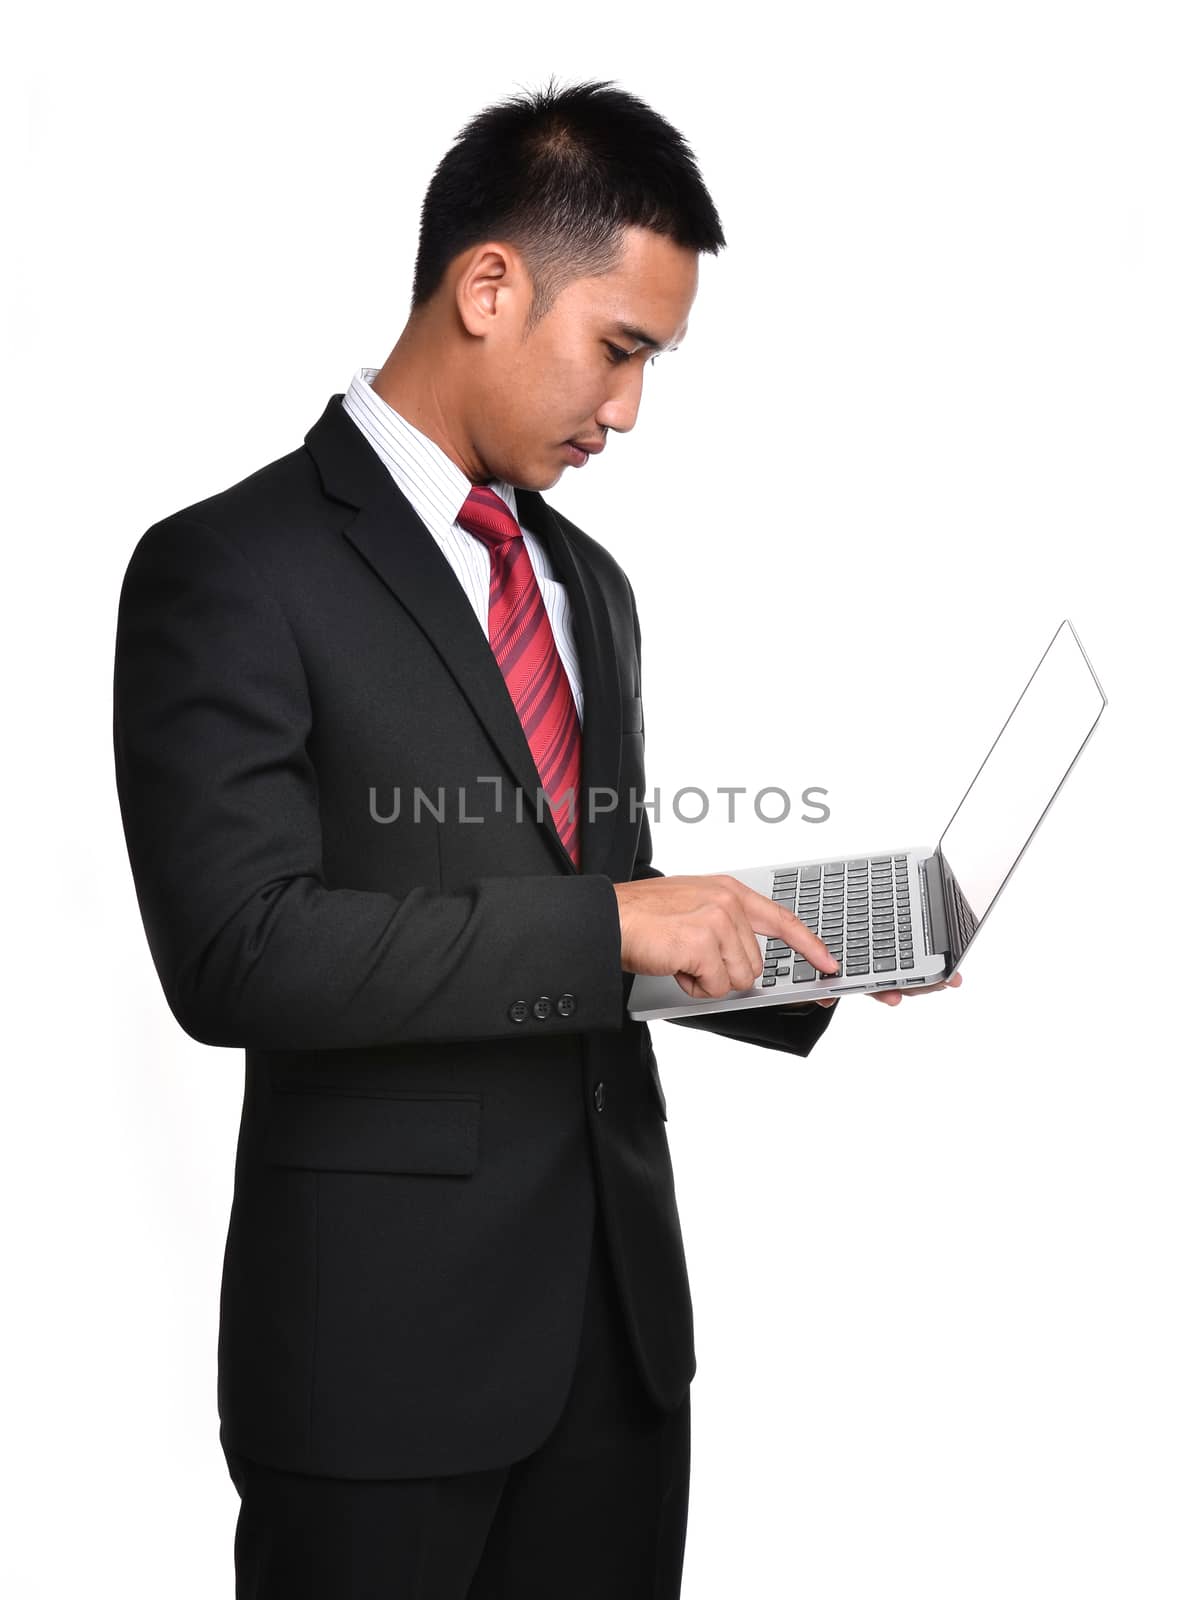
(598, 1512)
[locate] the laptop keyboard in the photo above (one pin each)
(860, 909)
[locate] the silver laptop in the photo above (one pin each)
(899, 919)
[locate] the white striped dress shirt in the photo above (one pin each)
(437, 489)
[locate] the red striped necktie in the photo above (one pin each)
(523, 642)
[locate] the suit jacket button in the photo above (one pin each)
(598, 1096)
(542, 1006)
(518, 1011)
(565, 1005)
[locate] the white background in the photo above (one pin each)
(935, 397)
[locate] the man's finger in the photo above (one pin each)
(767, 916)
(800, 937)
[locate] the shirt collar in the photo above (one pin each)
(422, 470)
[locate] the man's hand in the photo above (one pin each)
(700, 931)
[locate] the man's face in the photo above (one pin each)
(578, 374)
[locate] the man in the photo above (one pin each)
(456, 1335)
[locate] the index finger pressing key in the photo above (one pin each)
(770, 918)
(801, 938)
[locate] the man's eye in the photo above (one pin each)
(616, 354)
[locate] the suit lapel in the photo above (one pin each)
(391, 536)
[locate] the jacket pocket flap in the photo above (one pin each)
(631, 714)
(345, 1132)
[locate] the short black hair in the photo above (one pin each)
(559, 173)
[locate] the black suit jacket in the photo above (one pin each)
(441, 1080)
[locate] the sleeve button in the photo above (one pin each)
(518, 1011)
(565, 1005)
(542, 1007)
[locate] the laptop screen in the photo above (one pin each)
(1019, 778)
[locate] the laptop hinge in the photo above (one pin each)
(935, 916)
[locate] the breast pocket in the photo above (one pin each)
(342, 1131)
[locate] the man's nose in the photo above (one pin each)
(619, 411)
